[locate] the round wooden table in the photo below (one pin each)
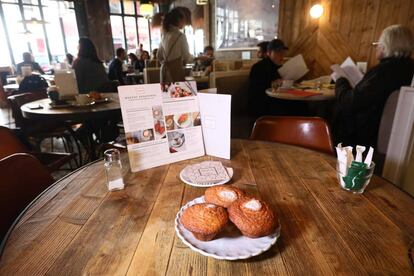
(77, 227)
(97, 111)
(327, 95)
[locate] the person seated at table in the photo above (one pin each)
(28, 60)
(139, 51)
(145, 56)
(134, 62)
(262, 51)
(206, 59)
(154, 54)
(117, 70)
(359, 110)
(69, 59)
(89, 69)
(262, 74)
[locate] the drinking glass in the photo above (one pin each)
(113, 168)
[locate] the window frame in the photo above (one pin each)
(122, 14)
(39, 6)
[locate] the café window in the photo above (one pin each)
(130, 28)
(46, 28)
(244, 23)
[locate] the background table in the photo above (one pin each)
(327, 95)
(78, 228)
(97, 111)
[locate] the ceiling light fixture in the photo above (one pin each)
(316, 11)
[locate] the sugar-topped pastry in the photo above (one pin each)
(253, 205)
(222, 195)
(204, 220)
(253, 217)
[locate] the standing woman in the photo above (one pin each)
(173, 52)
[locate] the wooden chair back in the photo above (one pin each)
(308, 132)
(152, 75)
(387, 120)
(236, 84)
(18, 189)
(16, 102)
(9, 143)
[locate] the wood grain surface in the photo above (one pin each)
(96, 111)
(79, 228)
(346, 28)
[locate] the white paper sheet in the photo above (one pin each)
(294, 68)
(215, 110)
(349, 70)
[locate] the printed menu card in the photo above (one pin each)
(162, 123)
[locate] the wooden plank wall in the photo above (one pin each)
(347, 28)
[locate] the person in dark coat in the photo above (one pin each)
(262, 74)
(89, 69)
(359, 110)
(116, 71)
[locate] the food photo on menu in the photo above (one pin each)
(176, 141)
(139, 136)
(159, 124)
(178, 90)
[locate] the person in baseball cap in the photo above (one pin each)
(262, 74)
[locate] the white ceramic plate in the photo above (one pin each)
(229, 244)
(188, 182)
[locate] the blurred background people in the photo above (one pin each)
(117, 71)
(139, 50)
(89, 69)
(28, 61)
(69, 59)
(134, 62)
(262, 51)
(262, 74)
(154, 54)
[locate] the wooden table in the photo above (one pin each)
(96, 111)
(78, 228)
(327, 95)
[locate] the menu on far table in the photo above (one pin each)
(162, 123)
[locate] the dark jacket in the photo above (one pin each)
(115, 71)
(261, 76)
(359, 110)
(90, 75)
(35, 67)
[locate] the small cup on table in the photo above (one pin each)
(355, 178)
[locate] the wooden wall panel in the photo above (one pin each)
(347, 28)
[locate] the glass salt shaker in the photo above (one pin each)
(113, 168)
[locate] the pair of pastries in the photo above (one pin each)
(252, 217)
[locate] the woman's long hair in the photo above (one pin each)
(172, 18)
(87, 50)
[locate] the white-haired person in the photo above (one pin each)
(358, 110)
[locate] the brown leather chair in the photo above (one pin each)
(308, 132)
(23, 178)
(10, 144)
